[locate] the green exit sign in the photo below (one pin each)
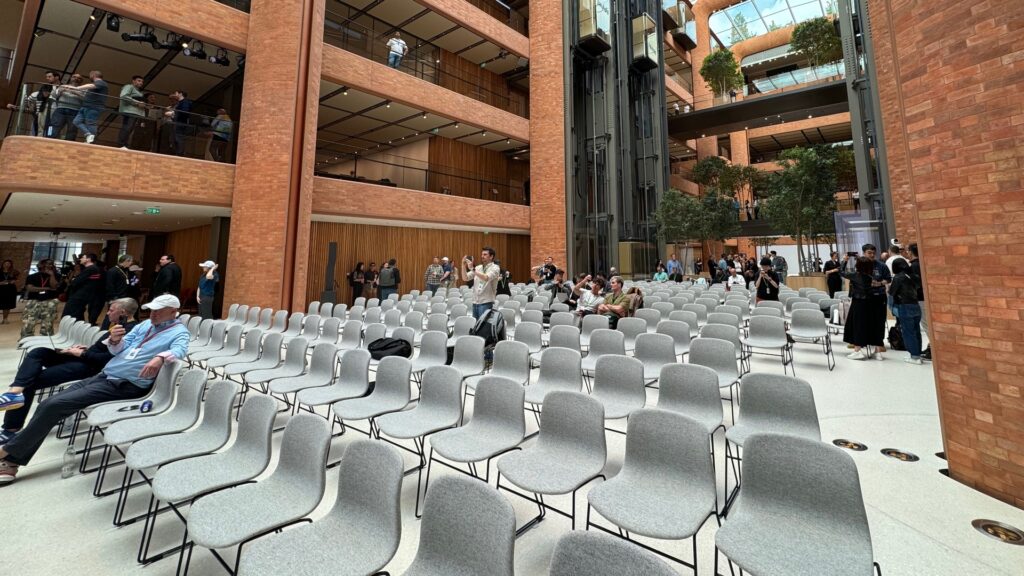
(152, 210)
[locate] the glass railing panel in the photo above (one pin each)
(153, 124)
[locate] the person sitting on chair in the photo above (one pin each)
(138, 357)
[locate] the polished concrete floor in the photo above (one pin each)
(920, 519)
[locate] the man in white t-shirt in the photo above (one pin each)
(895, 253)
(734, 279)
(589, 292)
(397, 48)
(485, 281)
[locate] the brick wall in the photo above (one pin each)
(952, 76)
(21, 254)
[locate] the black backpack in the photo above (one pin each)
(389, 347)
(490, 327)
(896, 338)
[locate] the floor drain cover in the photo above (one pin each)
(999, 531)
(900, 455)
(849, 445)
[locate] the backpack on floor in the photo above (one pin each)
(896, 338)
(389, 347)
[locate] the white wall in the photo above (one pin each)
(789, 253)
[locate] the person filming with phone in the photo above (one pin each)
(485, 281)
(137, 355)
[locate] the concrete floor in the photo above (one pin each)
(920, 520)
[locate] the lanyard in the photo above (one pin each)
(150, 334)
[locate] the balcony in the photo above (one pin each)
(454, 61)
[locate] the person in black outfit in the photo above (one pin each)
(99, 297)
(168, 279)
(357, 279)
(8, 288)
(834, 275)
(82, 290)
(861, 321)
(881, 277)
(915, 271)
(44, 367)
(767, 283)
(119, 281)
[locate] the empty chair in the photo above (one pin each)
(266, 319)
(279, 323)
(414, 320)
(437, 323)
(390, 394)
(232, 311)
(422, 307)
(811, 325)
(720, 356)
(462, 327)
(691, 319)
(530, 334)
(241, 314)
(320, 373)
(535, 316)
(433, 352)
(560, 337)
(590, 323)
(405, 333)
(193, 327)
(710, 303)
(233, 517)
(217, 335)
(562, 319)
(359, 535)
(631, 328)
(270, 357)
(372, 303)
(392, 320)
(728, 308)
(313, 308)
(560, 306)
(580, 553)
(570, 451)
(468, 529)
(731, 334)
(654, 351)
(404, 306)
(560, 369)
(666, 487)
(510, 320)
(768, 333)
(724, 318)
(650, 316)
(766, 311)
(340, 312)
(825, 529)
(310, 330)
(439, 308)
(603, 341)
(330, 331)
(457, 311)
(817, 296)
(372, 333)
(699, 310)
(294, 365)
(680, 333)
(804, 306)
(351, 335)
(511, 361)
(692, 390)
(619, 386)
(468, 357)
(372, 316)
(353, 381)
(360, 301)
(229, 347)
(294, 325)
(678, 302)
(664, 308)
(356, 312)
(535, 306)
(771, 304)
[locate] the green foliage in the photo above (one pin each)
(682, 216)
(817, 40)
(728, 179)
(772, 26)
(721, 72)
(740, 30)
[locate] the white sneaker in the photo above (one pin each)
(876, 354)
(124, 147)
(912, 360)
(89, 138)
(861, 354)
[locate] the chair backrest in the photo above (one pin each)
(785, 403)
(562, 319)
(321, 362)
(220, 400)
(302, 465)
(698, 309)
(370, 490)
(576, 421)
(330, 329)
(422, 307)
(650, 316)
(434, 346)
(220, 329)
(467, 528)
(529, 333)
(619, 376)
(354, 373)
(736, 311)
(414, 320)
(351, 334)
(295, 323)
(715, 353)
(271, 347)
(463, 325)
(674, 447)
(679, 301)
(768, 326)
(295, 354)
(631, 328)
(360, 301)
(458, 310)
(499, 404)
(311, 327)
(723, 332)
(512, 361)
(766, 311)
(356, 312)
(593, 322)
(561, 368)
(232, 310)
(241, 313)
(469, 354)
(709, 303)
(340, 312)
(564, 337)
(691, 389)
(405, 333)
(393, 318)
(680, 333)
(592, 553)
(233, 343)
(404, 306)
(372, 315)
(372, 303)
(252, 444)
(805, 306)
(253, 319)
(664, 307)
(510, 317)
(279, 322)
(655, 348)
(326, 309)
(393, 373)
(770, 304)
(266, 318)
(535, 316)
(437, 322)
(441, 393)
(193, 326)
(606, 341)
(373, 332)
(189, 397)
(313, 308)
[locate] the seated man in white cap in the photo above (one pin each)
(138, 357)
(207, 289)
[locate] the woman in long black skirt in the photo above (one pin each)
(8, 288)
(862, 322)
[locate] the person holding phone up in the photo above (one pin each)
(485, 281)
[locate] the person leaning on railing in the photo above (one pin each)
(95, 95)
(220, 131)
(131, 107)
(68, 103)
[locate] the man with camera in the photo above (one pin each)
(485, 280)
(138, 356)
(545, 272)
(589, 294)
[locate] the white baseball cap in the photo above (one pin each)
(163, 301)
(207, 264)
(135, 268)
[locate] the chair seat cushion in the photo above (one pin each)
(653, 506)
(160, 450)
(367, 407)
(332, 544)
(416, 423)
(329, 394)
(473, 444)
(548, 470)
(296, 383)
(228, 517)
(765, 342)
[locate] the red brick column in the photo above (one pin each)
(272, 203)
(547, 133)
(953, 80)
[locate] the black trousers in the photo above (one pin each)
(41, 369)
(75, 309)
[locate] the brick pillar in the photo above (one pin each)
(547, 133)
(272, 203)
(953, 76)
(702, 95)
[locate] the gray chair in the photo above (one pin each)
(372, 333)
(313, 308)
(699, 310)
(437, 323)
(468, 530)
(356, 312)
(295, 488)
(559, 337)
(666, 487)
(270, 356)
(231, 346)
(580, 553)
(692, 390)
(680, 334)
(279, 323)
(359, 535)
(560, 370)
(320, 373)
(794, 306)
(462, 327)
(724, 318)
(511, 361)
(774, 304)
(602, 341)
(664, 308)
(353, 381)
(351, 335)
(766, 311)
(372, 315)
(590, 323)
(650, 316)
(216, 342)
(294, 365)
(631, 328)
(361, 301)
(654, 351)
(825, 528)
(392, 320)
(678, 301)
(390, 393)
(433, 352)
(811, 325)
(570, 451)
(468, 357)
(294, 325)
(509, 314)
(619, 386)
(326, 309)
(720, 356)
(531, 335)
(731, 334)
(330, 332)
(561, 319)
(457, 311)
(340, 312)
(266, 320)
(310, 330)
(193, 327)
(768, 333)
(439, 408)
(211, 435)
(372, 303)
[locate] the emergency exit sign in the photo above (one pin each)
(153, 210)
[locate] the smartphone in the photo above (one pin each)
(123, 321)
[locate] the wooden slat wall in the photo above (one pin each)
(451, 158)
(465, 77)
(189, 247)
(137, 247)
(413, 248)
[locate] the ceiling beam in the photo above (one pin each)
(84, 40)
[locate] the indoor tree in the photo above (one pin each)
(818, 41)
(721, 72)
(705, 217)
(728, 178)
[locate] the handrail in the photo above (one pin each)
(423, 59)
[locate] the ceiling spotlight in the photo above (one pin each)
(221, 58)
(424, 116)
(145, 34)
(509, 141)
(39, 32)
(484, 133)
(387, 104)
(456, 125)
(92, 16)
(502, 53)
(171, 41)
(195, 50)
(344, 92)
(114, 23)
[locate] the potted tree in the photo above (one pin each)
(817, 40)
(709, 216)
(721, 72)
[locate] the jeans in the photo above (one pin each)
(909, 316)
(386, 291)
(43, 368)
(79, 395)
(480, 309)
(86, 120)
(432, 288)
(394, 59)
(181, 132)
(63, 118)
(128, 123)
